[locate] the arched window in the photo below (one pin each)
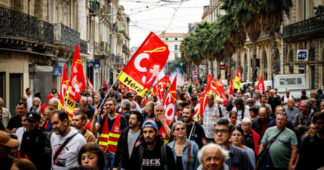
(277, 61)
(265, 65)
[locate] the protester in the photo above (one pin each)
(21, 130)
(36, 105)
(251, 138)
(261, 124)
(15, 121)
(64, 157)
(29, 98)
(291, 110)
(303, 119)
(125, 108)
(273, 122)
(237, 140)
(194, 130)
(34, 143)
(129, 138)
(162, 123)
(79, 121)
(22, 164)
(209, 117)
(184, 150)
(222, 134)
(233, 118)
(153, 153)
(213, 157)
(47, 113)
(4, 116)
(149, 111)
(241, 110)
(283, 149)
(53, 102)
(48, 97)
(109, 125)
(254, 112)
(91, 156)
(311, 148)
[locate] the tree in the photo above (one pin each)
(271, 17)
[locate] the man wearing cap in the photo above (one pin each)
(153, 153)
(33, 143)
(110, 125)
(6, 145)
(283, 149)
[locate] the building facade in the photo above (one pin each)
(38, 37)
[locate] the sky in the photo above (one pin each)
(161, 16)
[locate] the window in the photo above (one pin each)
(175, 47)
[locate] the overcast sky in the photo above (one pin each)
(161, 15)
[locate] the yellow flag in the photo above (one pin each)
(237, 80)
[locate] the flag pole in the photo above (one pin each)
(105, 98)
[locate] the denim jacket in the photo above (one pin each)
(194, 163)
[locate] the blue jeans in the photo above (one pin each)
(109, 161)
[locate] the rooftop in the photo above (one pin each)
(173, 35)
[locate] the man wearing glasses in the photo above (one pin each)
(109, 124)
(222, 134)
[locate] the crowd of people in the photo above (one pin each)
(252, 130)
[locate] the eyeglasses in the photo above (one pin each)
(281, 113)
(108, 104)
(223, 131)
(178, 129)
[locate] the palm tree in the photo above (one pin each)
(271, 15)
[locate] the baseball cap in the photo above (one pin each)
(150, 123)
(5, 140)
(34, 117)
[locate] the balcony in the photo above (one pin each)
(125, 49)
(312, 26)
(18, 25)
(45, 32)
(66, 36)
(83, 47)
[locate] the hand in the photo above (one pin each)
(161, 118)
(115, 169)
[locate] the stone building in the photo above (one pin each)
(38, 37)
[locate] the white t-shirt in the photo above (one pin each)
(19, 133)
(68, 158)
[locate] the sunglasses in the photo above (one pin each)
(178, 129)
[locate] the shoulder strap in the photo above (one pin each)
(274, 139)
(63, 145)
(164, 156)
(189, 155)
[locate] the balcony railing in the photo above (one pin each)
(18, 25)
(66, 35)
(46, 32)
(309, 26)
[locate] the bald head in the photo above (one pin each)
(212, 156)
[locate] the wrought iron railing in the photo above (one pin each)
(46, 32)
(19, 25)
(66, 35)
(311, 25)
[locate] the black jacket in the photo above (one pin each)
(122, 157)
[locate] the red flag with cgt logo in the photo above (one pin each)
(260, 85)
(169, 100)
(143, 68)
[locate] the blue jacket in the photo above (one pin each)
(194, 163)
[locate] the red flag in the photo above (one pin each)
(121, 86)
(169, 100)
(202, 103)
(220, 82)
(230, 86)
(90, 85)
(260, 85)
(64, 86)
(105, 84)
(184, 78)
(160, 86)
(144, 67)
(77, 80)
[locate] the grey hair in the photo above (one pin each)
(247, 120)
(175, 124)
(37, 98)
(150, 103)
(158, 104)
(54, 100)
(84, 98)
(225, 153)
(126, 104)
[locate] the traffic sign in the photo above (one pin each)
(302, 55)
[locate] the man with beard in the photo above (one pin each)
(129, 138)
(153, 153)
(163, 124)
(33, 143)
(64, 157)
(79, 121)
(222, 134)
(110, 125)
(194, 130)
(15, 121)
